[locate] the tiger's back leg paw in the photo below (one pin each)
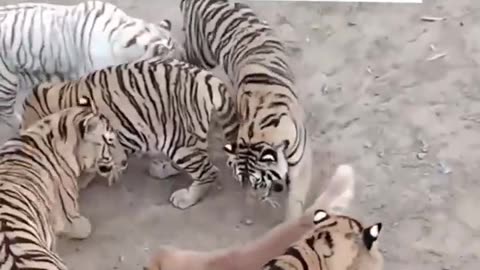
(79, 228)
(162, 169)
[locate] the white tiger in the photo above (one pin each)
(46, 42)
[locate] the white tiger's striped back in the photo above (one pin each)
(71, 40)
(45, 42)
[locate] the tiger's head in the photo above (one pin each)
(140, 40)
(99, 137)
(341, 242)
(261, 164)
(34, 109)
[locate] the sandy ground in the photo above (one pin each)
(408, 125)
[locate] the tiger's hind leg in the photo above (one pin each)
(67, 220)
(196, 162)
(161, 169)
(76, 227)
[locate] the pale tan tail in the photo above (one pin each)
(155, 262)
(339, 193)
(171, 258)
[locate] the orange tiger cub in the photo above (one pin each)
(274, 243)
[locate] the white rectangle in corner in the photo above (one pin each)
(352, 1)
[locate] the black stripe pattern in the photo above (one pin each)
(156, 106)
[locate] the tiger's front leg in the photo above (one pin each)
(78, 227)
(196, 163)
(69, 222)
(301, 178)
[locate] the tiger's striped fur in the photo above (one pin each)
(46, 42)
(337, 242)
(272, 150)
(157, 107)
(39, 169)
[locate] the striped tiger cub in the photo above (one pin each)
(337, 242)
(39, 169)
(157, 107)
(46, 42)
(272, 151)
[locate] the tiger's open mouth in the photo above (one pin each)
(105, 169)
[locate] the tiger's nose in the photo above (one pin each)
(277, 187)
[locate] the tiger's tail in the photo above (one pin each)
(339, 192)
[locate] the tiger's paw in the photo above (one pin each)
(80, 228)
(183, 198)
(162, 169)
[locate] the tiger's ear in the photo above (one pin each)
(230, 148)
(320, 216)
(370, 235)
(165, 24)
